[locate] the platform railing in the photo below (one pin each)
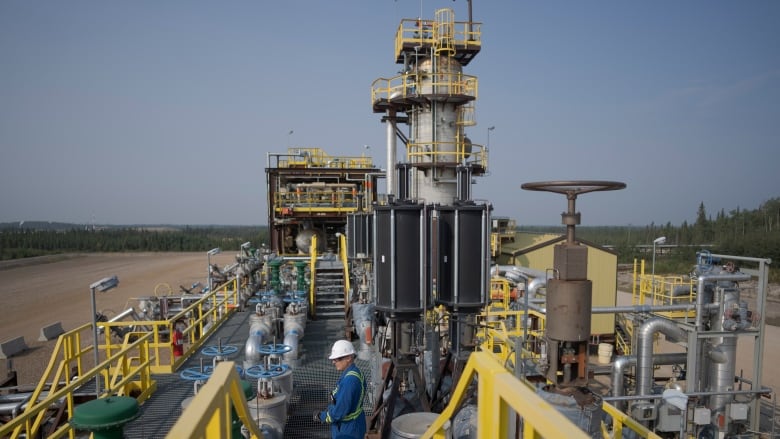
(500, 395)
(202, 318)
(651, 289)
(497, 341)
(345, 264)
(66, 374)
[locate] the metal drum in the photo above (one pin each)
(460, 255)
(568, 309)
(399, 259)
(413, 425)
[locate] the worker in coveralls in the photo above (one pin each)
(345, 411)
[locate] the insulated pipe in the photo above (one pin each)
(646, 308)
(391, 147)
(363, 319)
(293, 332)
(291, 339)
(539, 277)
(535, 285)
(524, 270)
(700, 291)
(644, 369)
(628, 308)
(621, 363)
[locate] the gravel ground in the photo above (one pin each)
(37, 292)
(41, 291)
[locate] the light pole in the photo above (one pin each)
(209, 254)
(488, 137)
(657, 241)
(102, 285)
(288, 138)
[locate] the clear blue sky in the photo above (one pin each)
(147, 112)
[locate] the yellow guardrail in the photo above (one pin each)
(650, 289)
(315, 201)
(497, 342)
(345, 264)
(209, 413)
(417, 32)
(499, 396)
(623, 341)
(313, 274)
(621, 421)
(202, 318)
(318, 158)
(131, 374)
(457, 152)
(408, 85)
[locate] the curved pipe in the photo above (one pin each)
(644, 369)
(621, 363)
(535, 284)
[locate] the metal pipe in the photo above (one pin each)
(644, 370)
(646, 308)
(700, 291)
(391, 148)
(628, 308)
(622, 362)
(291, 339)
(763, 390)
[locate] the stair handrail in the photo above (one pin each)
(313, 274)
(345, 265)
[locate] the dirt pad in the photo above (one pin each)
(38, 292)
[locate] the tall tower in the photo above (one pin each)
(436, 99)
(431, 241)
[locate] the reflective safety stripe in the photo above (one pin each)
(359, 409)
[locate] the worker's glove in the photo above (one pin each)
(316, 417)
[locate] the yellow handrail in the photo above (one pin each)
(419, 32)
(345, 264)
(499, 393)
(131, 359)
(203, 316)
(313, 271)
(497, 342)
(408, 85)
(208, 415)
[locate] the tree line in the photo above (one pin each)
(18, 242)
(739, 232)
(754, 233)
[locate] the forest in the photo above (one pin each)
(754, 233)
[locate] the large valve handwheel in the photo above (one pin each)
(574, 187)
(219, 351)
(274, 349)
(571, 189)
(260, 371)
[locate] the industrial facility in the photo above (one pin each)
(462, 326)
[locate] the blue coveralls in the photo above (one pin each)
(345, 413)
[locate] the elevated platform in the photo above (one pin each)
(313, 379)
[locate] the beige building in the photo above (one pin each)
(535, 250)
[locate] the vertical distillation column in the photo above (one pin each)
(437, 143)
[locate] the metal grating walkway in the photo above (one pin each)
(313, 379)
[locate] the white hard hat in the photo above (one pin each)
(341, 348)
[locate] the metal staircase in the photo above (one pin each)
(329, 290)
